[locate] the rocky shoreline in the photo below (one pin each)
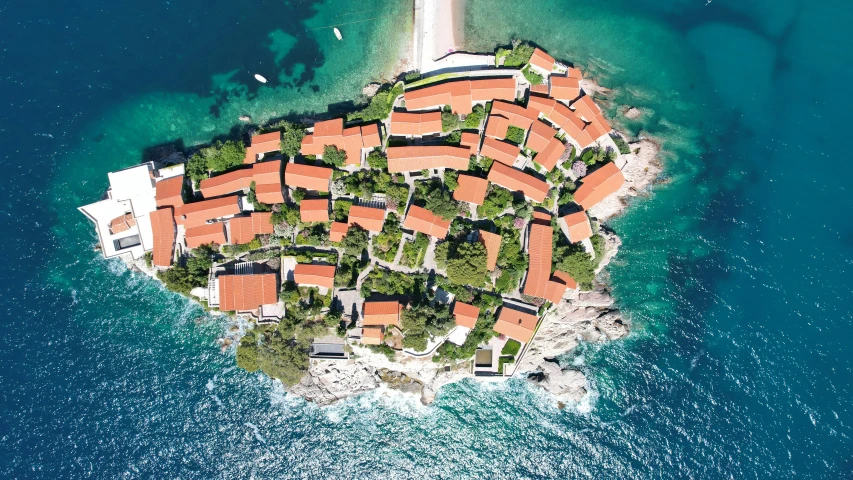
(585, 316)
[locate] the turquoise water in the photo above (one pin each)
(736, 271)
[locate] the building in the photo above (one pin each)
(466, 318)
(206, 234)
(542, 61)
(368, 218)
(422, 220)
(409, 124)
(353, 140)
(517, 115)
(497, 126)
(314, 210)
(261, 144)
(227, 183)
(470, 140)
(565, 89)
(471, 189)
(338, 231)
(372, 335)
(518, 181)
(244, 229)
(461, 95)
(539, 281)
(576, 226)
(492, 242)
(199, 213)
(314, 275)
(598, 185)
(309, 177)
(381, 313)
(516, 324)
(246, 292)
(163, 231)
(417, 158)
(169, 192)
(500, 151)
(551, 154)
(265, 175)
(540, 135)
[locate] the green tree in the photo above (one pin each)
(515, 135)
(497, 200)
(449, 120)
(355, 241)
(333, 156)
(473, 120)
(297, 194)
(247, 352)
(451, 179)
(377, 159)
(340, 211)
(291, 138)
(467, 264)
(421, 322)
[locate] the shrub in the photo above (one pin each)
(449, 120)
(621, 144)
(515, 135)
(412, 76)
(297, 195)
(415, 251)
(579, 169)
(333, 156)
(253, 199)
(451, 179)
(519, 55)
(340, 211)
(380, 104)
(473, 120)
(385, 244)
(377, 159)
(566, 197)
(454, 138)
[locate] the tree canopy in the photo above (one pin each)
(421, 322)
(333, 156)
(466, 264)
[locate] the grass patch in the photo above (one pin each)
(511, 348)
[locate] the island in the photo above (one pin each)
(451, 228)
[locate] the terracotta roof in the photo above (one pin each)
(198, 213)
(314, 210)
(370, 219)
(565, 278)
(518, 116)
(329, 128)
(370, 135)
(471, 189)
(338, 231)
(122, 223)
(497, 126)
(586, 108)
(269, 193)
(564, 88)
(540, 215)
(540, 251)
(227, 183)
(372, 336)
(168, 192)
(460, 94)
(267, 172)
(540, 135)
(551, 154)
(470, 140)
(574, 73)
(498, 150)
(539, 104)
(429, 97)
(207, 233)
(557, 285)
(319, 275)
(422, 220)
(163, 230)
(417, 124)
(598, 185)
(561, 115)
(263, 143)
(244, 229)
(246, 292)
(382, 313)
(408, 159)
(352, 145)
(542, 60)
(576, 226)
(540, 89)
(466, 314)
(492, 242)
(308, 177)
(487, 89)
(518, 181)
(516, 324)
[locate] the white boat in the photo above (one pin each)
(338, 34)
(260, 78)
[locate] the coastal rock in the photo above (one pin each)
(370, 89)
(631, 113)
(565, 385)
(641, 169)
(245, 119)
(328, 381)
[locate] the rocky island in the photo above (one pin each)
(451, 228)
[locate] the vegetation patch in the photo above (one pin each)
(531, 76)
(385, 244)
(218, 157)
(415, 251)
(380, 105)
(515, 135)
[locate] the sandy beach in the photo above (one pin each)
(439, 30)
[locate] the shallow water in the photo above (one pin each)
(736, 272)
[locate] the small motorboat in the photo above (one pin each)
(260, 78)
(338, 33)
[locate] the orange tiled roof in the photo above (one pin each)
(598, 185)
(370, 219)
(518, 181)
(319, 275)
(329, 128)
(382, 313)
(163, 230)
(269, 193)
(308, 177)
(466, 314)
(370, 135)
(351, 140)
(417, 124)
(372, 336)
(564, 88)
(498, 150)
(565, 278)
(408, 159)
(460, 94)
(314, 210)
(471, 189)
(539, 104)
(244, 229)
(551, 154)
(576, 226)
(227, 183)
(198, 213)
(487, 89)
(557, 285)
(518, 116)
(263, 143)
(122, 223)
(470, 140)
(492, 242)
(243, 293)
(267, 172)
(497, 126)
(574, 73)
(516, 324)
(207, 233)
(352, 145)
(168, 192)
(540, 251)
(422, 220)
(540, 89)
(540, 135)
(542, 60)
(338, 231)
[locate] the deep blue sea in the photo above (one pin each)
(736, 271)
